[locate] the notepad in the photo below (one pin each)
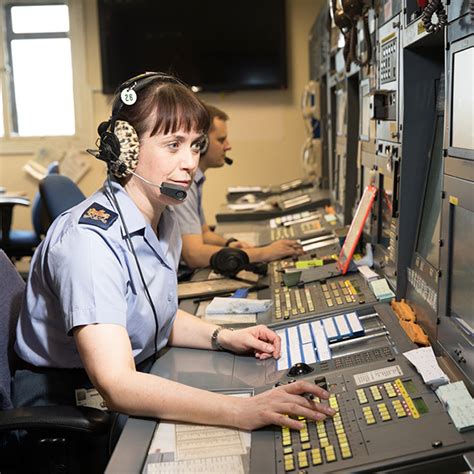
(381, 290)
(427, 366)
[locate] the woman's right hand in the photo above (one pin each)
(273, 406)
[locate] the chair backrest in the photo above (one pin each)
(38, 211)
(11, 294)
(59, 193)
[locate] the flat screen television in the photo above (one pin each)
(210, 44)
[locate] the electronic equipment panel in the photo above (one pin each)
(456, 325)
(301, 225)
(385, 100)
(273, 207)
(300, 302)
(386, 417)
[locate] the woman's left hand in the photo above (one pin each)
(264, 342)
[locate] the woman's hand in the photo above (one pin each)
(262, 341)
(275, 406)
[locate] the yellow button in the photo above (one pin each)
(303, 459)
(346, 453)
(323, 442)
(330, 454)
(289, 462)
(316, 456)
(287, 450)
(306, 446)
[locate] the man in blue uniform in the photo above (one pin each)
(199, 242)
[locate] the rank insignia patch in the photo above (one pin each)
(99, 216)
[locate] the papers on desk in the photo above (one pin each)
(367, 273)
(381, 290)
(237, 306)
(244, 189)
(224, 319)
(427, 366)
(248, 206)
(459, 403)
(184, 448)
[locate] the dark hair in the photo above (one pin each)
(213, 113)
(165, 107)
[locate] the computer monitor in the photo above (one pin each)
(429, 231)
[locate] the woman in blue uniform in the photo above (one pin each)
(102, 292)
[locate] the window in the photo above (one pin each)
(42, 80)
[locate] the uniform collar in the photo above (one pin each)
(136, 222)
(199, 177)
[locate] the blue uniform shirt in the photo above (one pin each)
(190, 213)
(84, 273)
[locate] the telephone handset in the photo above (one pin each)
(345, 16)
(430, 7)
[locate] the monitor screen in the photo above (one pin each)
(462, 134)
(386, 209)
(462, 267)
(429, 232)
(239, 45)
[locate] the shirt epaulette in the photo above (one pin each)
(98, 215)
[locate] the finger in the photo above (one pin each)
(305, 387)
(261, 346)
(283, 420)
(271, 336)
(312, 405)
(297, 409)
(261, 356)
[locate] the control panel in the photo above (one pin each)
(384, 414)
(338, 293)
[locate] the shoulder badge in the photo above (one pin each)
(99, 216)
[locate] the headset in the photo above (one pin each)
(230, 261)
(118, 140)
(205, 147)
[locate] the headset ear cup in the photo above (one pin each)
(229, 261)
(205, 145)
(128, 149)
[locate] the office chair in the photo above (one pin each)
(59, 193)
(22, 243)
(51, 438)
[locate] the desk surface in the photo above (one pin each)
(213, 371)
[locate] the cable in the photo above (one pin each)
(435, 6)
(132, 248)
(353, 42)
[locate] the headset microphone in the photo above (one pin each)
(174, 191)
(228, 160)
